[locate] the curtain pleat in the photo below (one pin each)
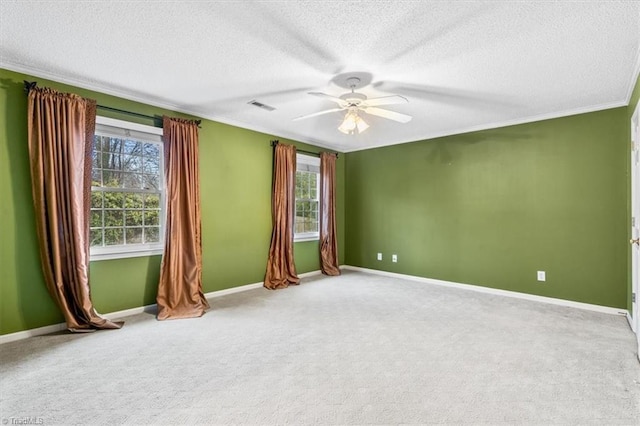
(328, 241)
(60, 134)
(180, 286)
(281, 269)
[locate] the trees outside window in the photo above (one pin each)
(307, 198)
(127, 192)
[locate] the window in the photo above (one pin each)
(307, 201)
(127, 190)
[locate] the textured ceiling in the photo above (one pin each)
(462, 65)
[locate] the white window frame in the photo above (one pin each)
(147, 134)
(308, 163)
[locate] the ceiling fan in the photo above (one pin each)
(354, 102)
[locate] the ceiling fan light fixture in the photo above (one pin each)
(345, 130)
(351, 123)
(362, 125)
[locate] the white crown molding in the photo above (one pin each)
(501, 124)
(494, 291)
(12, 337)
(96, 87)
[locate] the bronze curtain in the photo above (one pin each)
(180, 287)
(328, 240)
(281, 270)
(60, 133)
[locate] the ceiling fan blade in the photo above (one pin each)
(454, 96)
(385, 113)
(385, 100)
(302, 117)
(339, 101)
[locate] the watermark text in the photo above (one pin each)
(23, 420)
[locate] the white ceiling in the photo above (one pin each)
(462, 65)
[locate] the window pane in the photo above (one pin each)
(305, 186)
(298, 185)
(111, 145)
(134, 235)
(133, 201)
(113, 200)
(313, 206)
(151, 151)
(133, 218)
(132, 163)
(96, 200)
(113, 236)
(96, 177)
(131, 180)
(96, 218)
(112, 179)
(132, 147)
(113, 218)
(112, 161)
(311, 225)
(151, 182)
(95, 237)
(96, 160)
(152, 217)
(151, 165)
(152, 201)
(151, 234)
(97, 143)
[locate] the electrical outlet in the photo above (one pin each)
(542, 276)
(379, 256)
(394, 258)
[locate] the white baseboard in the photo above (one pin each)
(232, 290)
(507, 293)
(47, 329)
(12, 337)
(631, 322)
(6, 338)
(310, 274)
(153, 307)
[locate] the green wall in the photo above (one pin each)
(235, 169)
(490, 208)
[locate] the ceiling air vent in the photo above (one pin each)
(261, 105)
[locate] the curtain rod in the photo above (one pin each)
(28, 85)
(317, 154)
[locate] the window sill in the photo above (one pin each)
(95, 257)
(306, 238)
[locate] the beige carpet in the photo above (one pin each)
(356, 349)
